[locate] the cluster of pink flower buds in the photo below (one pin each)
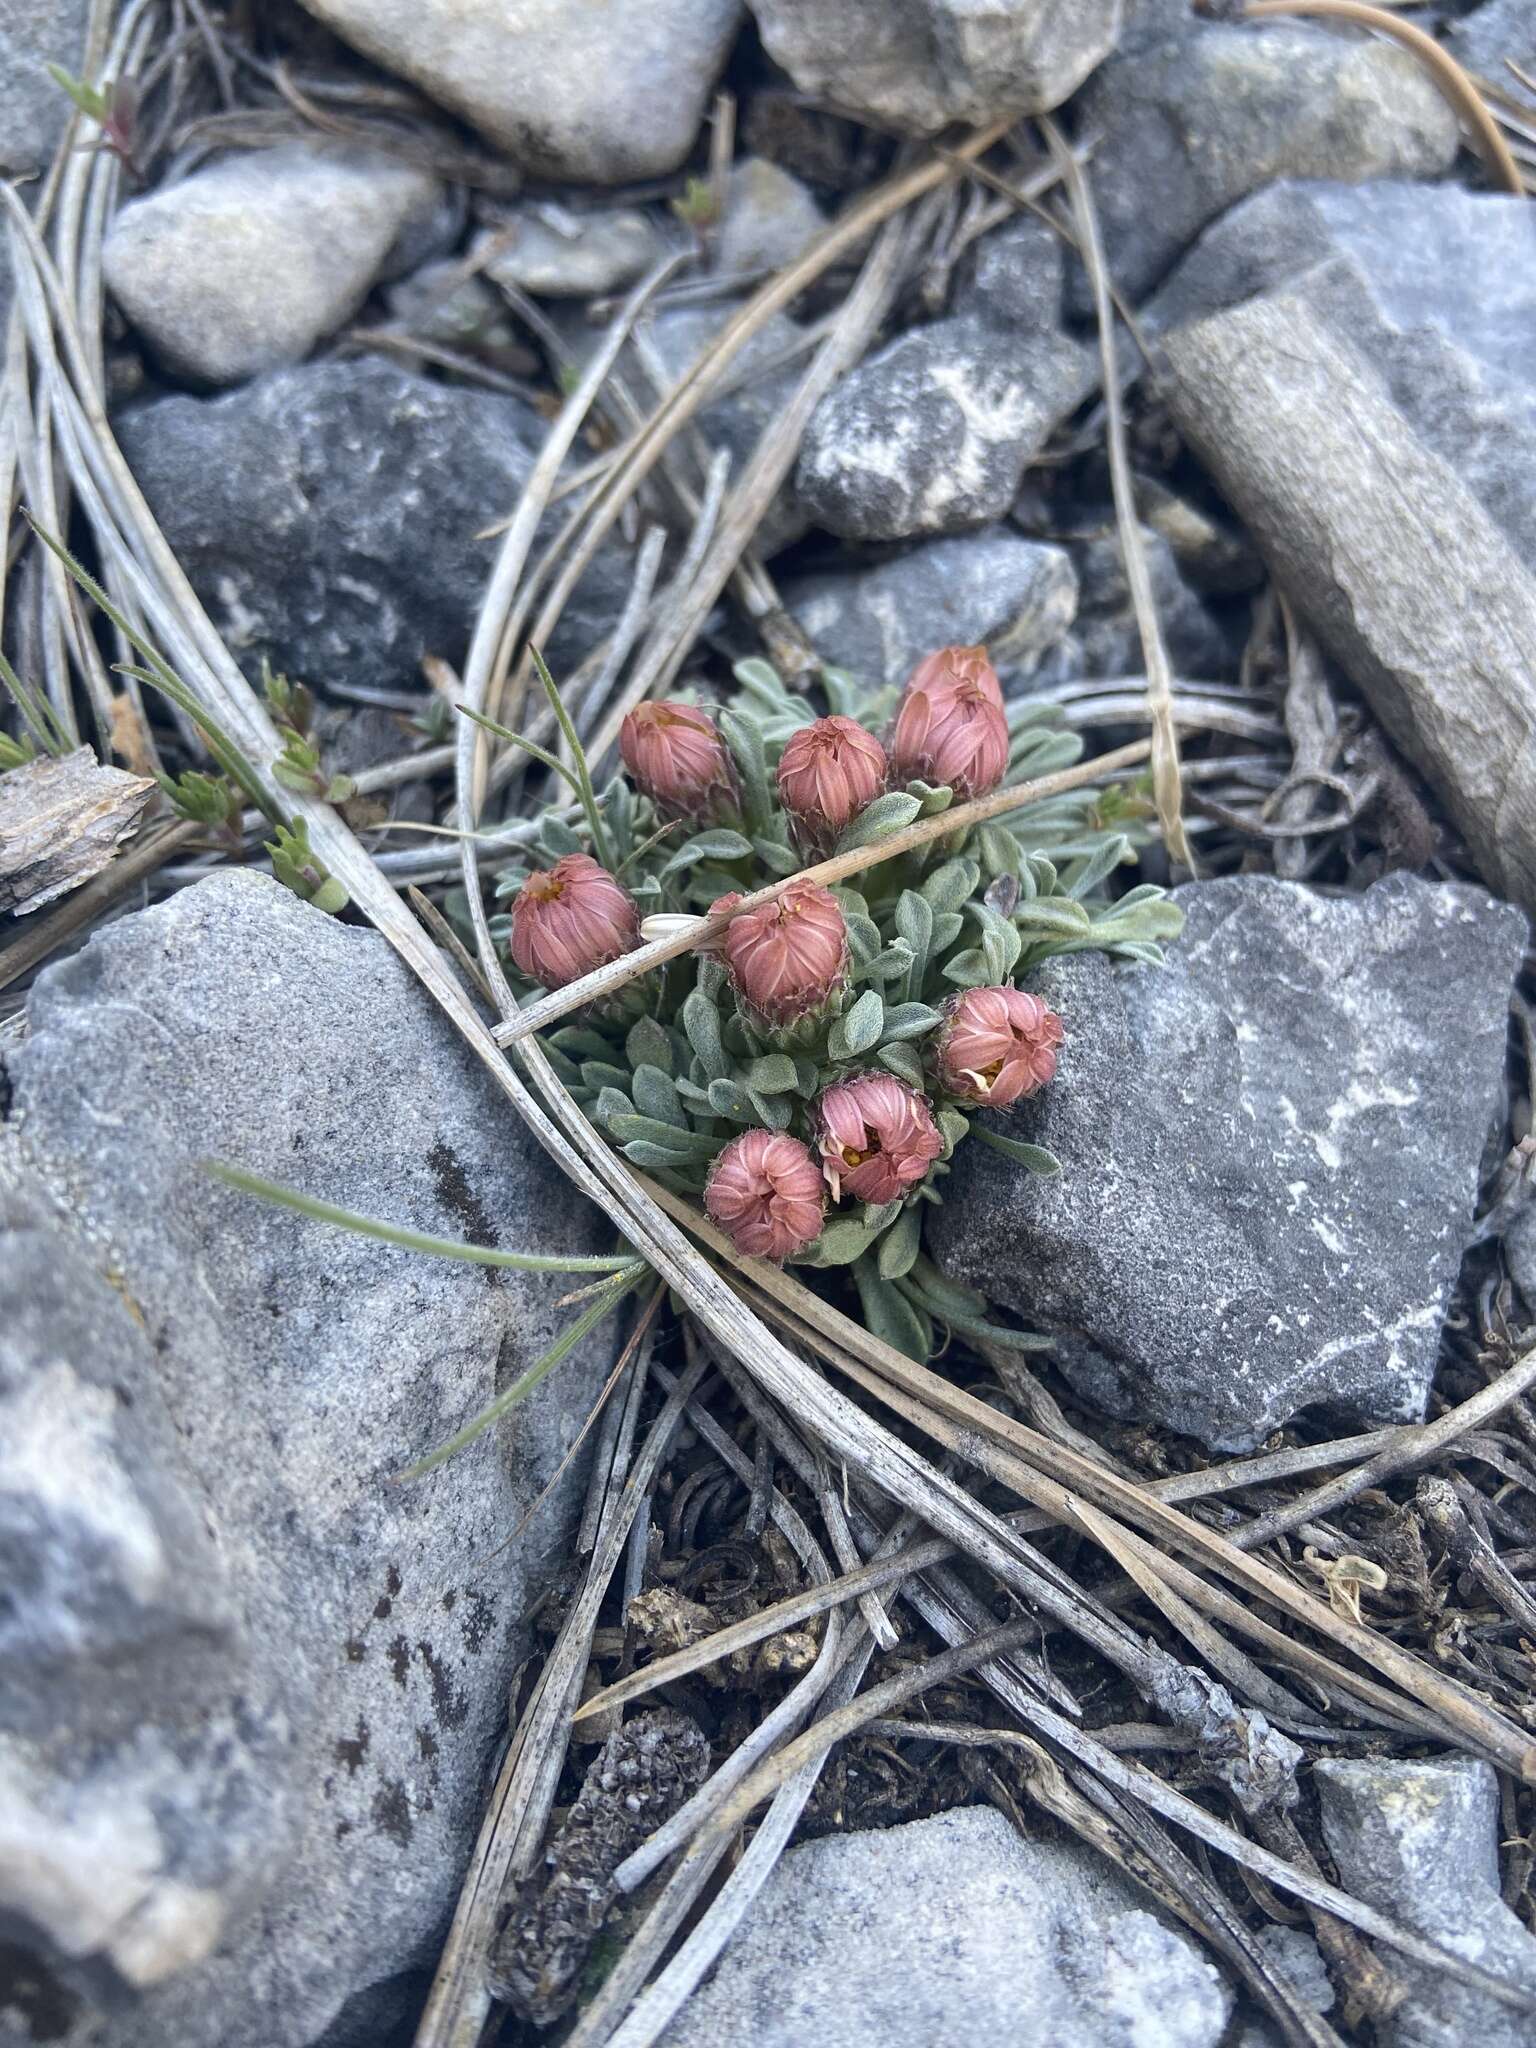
(570, 918)
(766, 1192)
(950, 725)
(676, 756)
(788, 958)
(877, 1138)
(996, 1045)
(828, 773)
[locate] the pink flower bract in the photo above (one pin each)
(996, 1045)
(570, 918)
(950, 725)
(788, 957)
(877, 1138)
(765, 1191)
(675, 754)
(828, 773)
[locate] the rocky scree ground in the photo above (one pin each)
(251, 1689)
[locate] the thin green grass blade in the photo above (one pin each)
(37, 714)
(284, 1197)
(163, 677)
(613, 1293)
(516, 739)
(585, 789)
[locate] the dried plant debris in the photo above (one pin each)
(638, 1780)
(61, 821)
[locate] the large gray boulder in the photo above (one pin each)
(995, 589)
(597, 91)
(1434, 285)
(917, 65)
(949, 1932)
(271, 498)
(1271, 1153)
(252, 1683)
(249, 263)
(932, 433)
(1190, 122)
(1420, 1841)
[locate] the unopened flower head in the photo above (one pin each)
(766, 1193)
(828, 773)
(950, 725)
(788, 958)
(675, 753)
(570, 918)
(877, 1138)
(996, 1045)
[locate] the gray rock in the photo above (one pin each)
(949, 1932)
(557, 254)
(251, 1684)
(247, 264)
(270, 497)
(1016, 597)
(1271, 1153)
(1400, 571)
(933, 432)
(1420, 1841)
(1435, 285)
(920, 64)
(1493, 36)
(770, 217)
(1190, 124)
(33, 109)
(599, 91)
(1015, 276)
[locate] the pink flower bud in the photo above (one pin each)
(996, 1045)
(789, 957)
(877, 1138)
(950, 726)
(828, 772)
(953, 665)
(765, 1192)
(676, 756)
(571, 918)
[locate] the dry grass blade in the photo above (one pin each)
(1052, 1475)
(1102, 1768)
(776, 452)
(796, 1608)
(1415, 1446)
(603, 981)
(702, 380)
(510, 1835)
(1166, 788)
